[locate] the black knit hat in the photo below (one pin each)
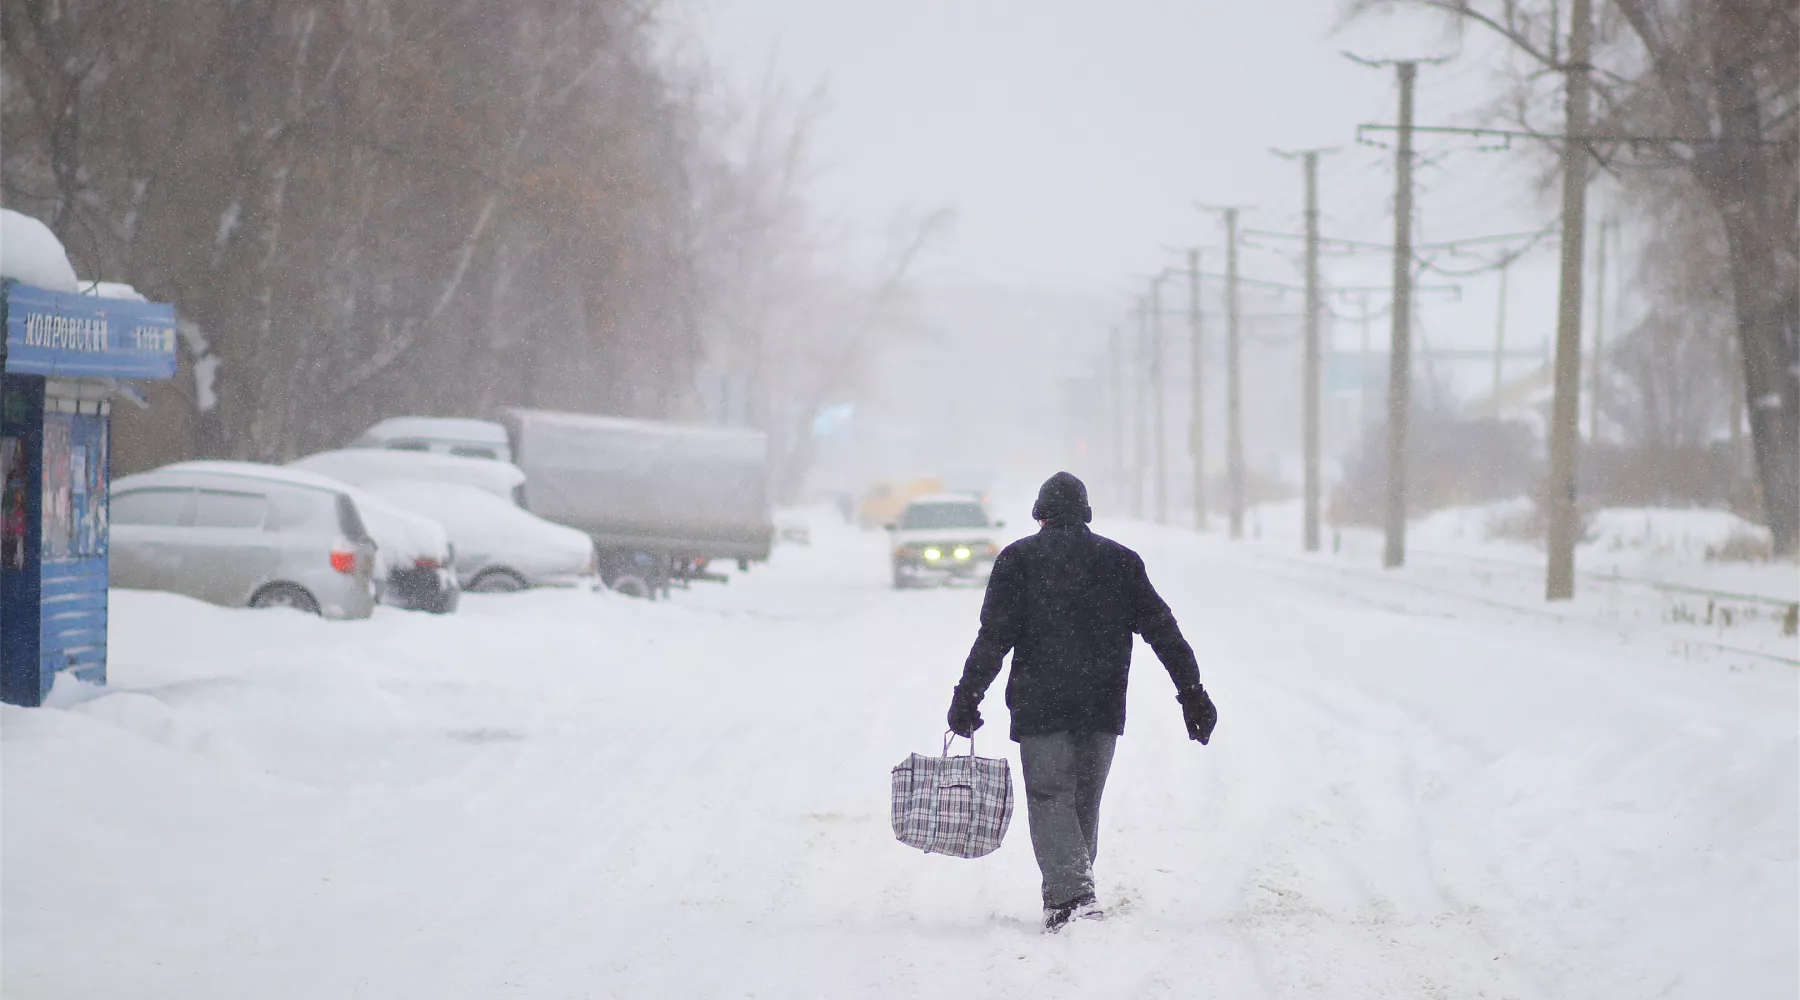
(1062, 499)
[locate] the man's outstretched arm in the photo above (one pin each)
(999, 632)
(1153, 620)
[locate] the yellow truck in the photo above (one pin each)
(881, 506)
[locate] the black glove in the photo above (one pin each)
(964, 717)
(1200, 714)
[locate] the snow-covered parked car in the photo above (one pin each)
(415, 561)
(242, 541)
(459, 436)
(499, 546)
(363, 466)
(247, 534)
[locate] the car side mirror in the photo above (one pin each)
(999, 524)
(891, 527)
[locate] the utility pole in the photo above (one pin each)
(1140, 435)
(1559, 576)
(1596, 376)
(1309, 380)
(1500, 335)
(1158, 413)
(1116, 369)
(1234, 390)
(1400, 351)
(1364, 315)
(1197, 359)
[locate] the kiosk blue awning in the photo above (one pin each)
(60, 335)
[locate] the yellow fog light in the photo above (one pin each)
(933, 554)
(962, 553)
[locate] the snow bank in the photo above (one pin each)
(1669, 536)
(1646, 534)
(1685, 547)
(31, 254)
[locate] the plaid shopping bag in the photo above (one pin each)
(958, 806)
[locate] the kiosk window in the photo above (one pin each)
(154, 507)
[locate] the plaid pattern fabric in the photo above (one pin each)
(958, 806)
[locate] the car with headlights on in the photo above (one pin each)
(943, 538)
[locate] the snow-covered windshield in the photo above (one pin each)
(930, 516)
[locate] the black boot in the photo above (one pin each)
(1084, 907)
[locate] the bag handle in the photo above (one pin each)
(950, 735)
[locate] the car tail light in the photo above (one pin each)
(343, 560)
(425, 562)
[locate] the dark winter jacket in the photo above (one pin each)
(1066, 602)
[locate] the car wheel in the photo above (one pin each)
(285, 595)
(631, 586)
(900, 580)
(497, 581)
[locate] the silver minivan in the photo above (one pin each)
(242, 542)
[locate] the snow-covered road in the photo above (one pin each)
(559, 795)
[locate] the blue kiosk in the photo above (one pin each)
(64, 357)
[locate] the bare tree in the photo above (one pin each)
(1709, 89)
(368, 209)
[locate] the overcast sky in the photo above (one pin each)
(1073, 138)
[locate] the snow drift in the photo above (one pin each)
(31, 254)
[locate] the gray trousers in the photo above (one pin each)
(1064, 776)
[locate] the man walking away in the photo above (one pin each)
(1066, 603)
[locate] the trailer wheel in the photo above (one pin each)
(631, 586)
(497, 581)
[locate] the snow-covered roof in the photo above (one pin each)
(438, 428)
(368, 466)
(258, 470)
(111, 290)
(32, 255)
(947, 498)
(728, 436)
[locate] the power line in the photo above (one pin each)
(1507, 135)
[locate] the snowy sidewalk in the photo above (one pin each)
(557, 795)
